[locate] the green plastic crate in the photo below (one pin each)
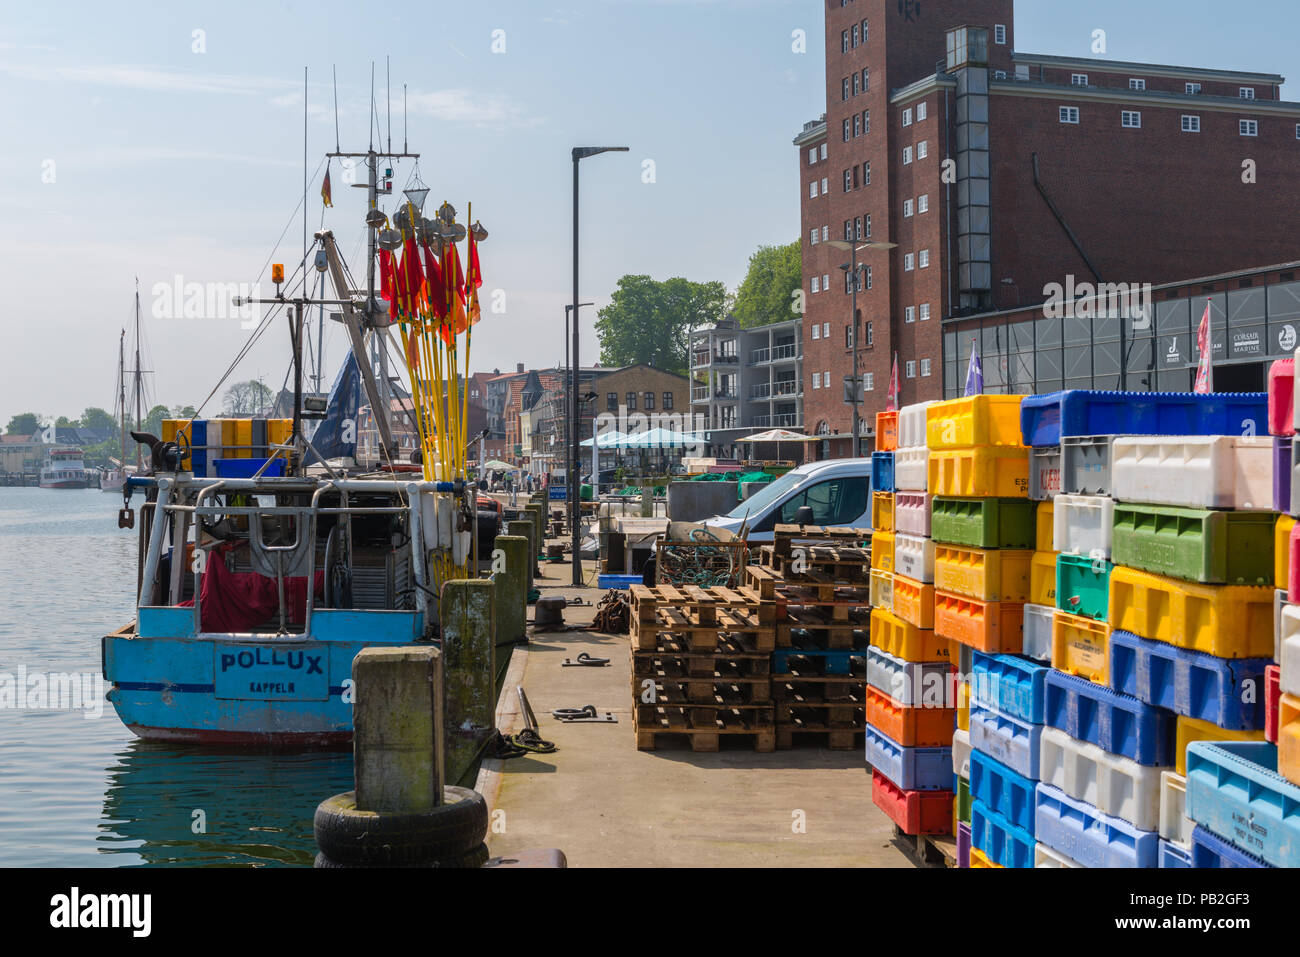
(1083, 586)
(963, 800)
(983, 522)
(1199, 545)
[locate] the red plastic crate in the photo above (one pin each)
(1281, 397)
(1272, 701)
(916, 812)
(887, 430)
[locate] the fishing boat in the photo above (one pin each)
(63, 468)
(268, 559)
(113, 478)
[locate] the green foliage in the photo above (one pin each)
(63, 422)
(96, 418)
(154, 420)
(650, 322)
(24, 423)
(767, 293)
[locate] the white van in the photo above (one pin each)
(838, 491)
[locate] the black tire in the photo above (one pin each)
(475, 858)
(346, 835)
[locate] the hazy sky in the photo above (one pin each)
(127, 152)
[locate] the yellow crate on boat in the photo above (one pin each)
(882, 551)
(983, 472)
(1081, 646)
(904, 640)
(882, 512)
(179, 431)
(243, 439)
(1194, 729)
(973, 421)
(1045, 527)
(1226, 621)
(989, 574)
(914, 602)
(1042, 579)
(1282, 551)
(278, 431)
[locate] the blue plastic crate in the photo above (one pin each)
(618, 581)
(1210, 850)
(1016, 743)
(1235, 792)
(882, 471)
(1188, 682)
(247, 468)
(835, 662)
(1002, 790)
(1000, 840)
(912, 769)
(1009, 684)
(1171, 855)
(1044, 419)
(1083, 833)
(1115, 722)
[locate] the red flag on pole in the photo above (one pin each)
(433, 282)
(891, 401)
(325, 194)
(1205, 364)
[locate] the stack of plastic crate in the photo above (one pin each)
(982, 526)
(910, 711)
(1282, 678)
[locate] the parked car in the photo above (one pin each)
(837, 491)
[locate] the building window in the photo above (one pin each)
(866, 174)
(1130, 119)
(923, 149)
(668, 400)
(812, 156)
(868, 382)
(920, 111)
(909, 314)
(631, 401)
(1247, 92)
(857, 84)
(866, 80)
(907, 155)
(853, 32)
(844, 89)
(847, 130)
(864, 31)
(848, 230)
(649, 401)
(857, 228)
(857, 125)
(848, 283)
(923, 204)
(999, 74)
(823, 151)
(1069, 114)
(1191, 124)
(924, 258)
(813, 238)
(1079, 79)
(812, 189)
(817, 330)
(1248, 127)
(866, 226)
(826, 330)
(866, 122)
(907, 117)
(848, 337)
(825, 185)
(816, 284)
(925, 368)
(826, 233)
(925, 311)
(1192, 88)
(868, 271)
(1137, 84)
(1297, 131)
(848, 180)
(871, 335)
(817, 380)
(611, 401)
(909, 262)
(844, 41)
(911, 368)
(907, 208)
(826, 281)
(1000, 34)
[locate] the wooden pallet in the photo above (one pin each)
(679, 667)
(657, 725)
(929, 850)
(742, 693)
(833, 739)
(705, 602)
(692, 631)
(848, 566)
(810, 627)
(830, 690)
(787, 537)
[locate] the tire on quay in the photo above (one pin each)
(475, 858)
(347, 836)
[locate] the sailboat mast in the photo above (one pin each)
(139, 421)
(121, 395)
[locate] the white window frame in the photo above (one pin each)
(817, 330)
(907, 116)
(813, 239)
(907, 209)
(921, 111)
(1191, 89)
(1130, 119)
(923, 203)
(909, 262)
(907, 157)
(925, 311)
(999, 74)
(826, 233)
(1246, 92)
(812, 189)
(911, 368)
(1248, 127)
(816, 284)
(812, 156)
(1136, 83)
(922, 149)
(925, 368)
(1000, 34)
(909, 314)
(826, 330)
(868, 382)
(923, 260)
(826, 281)
(816, 380)
(825, 185)
(1078, 79)
(848, 180)
(866, 173)
(1191, 123)
(823, 151)
(868, 277)
(1068, 115)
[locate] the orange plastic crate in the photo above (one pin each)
(910, 727)
(886, 431)
(1288, 738)
(994, 627)
(914, 602)
(915, 812)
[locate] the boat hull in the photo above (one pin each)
(66, 483)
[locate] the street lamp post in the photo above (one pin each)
(575, 509)
(852, 269)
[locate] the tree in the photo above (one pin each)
(184, 412)
(650, 322)
(154, 420)
(96, 418)
(767, 293)
(248, 399)
(63, 422)
(25, 423)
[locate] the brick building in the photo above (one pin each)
(1004, 176)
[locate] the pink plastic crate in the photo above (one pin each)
(1281, 397)
(1272, 701)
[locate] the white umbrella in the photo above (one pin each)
(778, 436)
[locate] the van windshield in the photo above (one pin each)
(759, 502)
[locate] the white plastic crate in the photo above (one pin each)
(1175, 825)
(910, 468)
(1044, 856)
(1038, 632)
(1111, 783)
(961, 753)
(1083, 524)
(882, 590)
(1279, 602)
(912, 513)
(1289, 659)
(911, 425)
(1196, 471)
(914, 558)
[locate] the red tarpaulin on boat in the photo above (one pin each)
(237, 601)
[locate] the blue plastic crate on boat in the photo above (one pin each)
(912, 769)
(1235, 792)
(1009, 684)
(1118, 723)
(1188, 682)
(1002, 790)
(1080, 831)
(1210, 850)
(882, 471)
(1171, 855)
(1016, 743)
(1044, 419)
(1000, 840)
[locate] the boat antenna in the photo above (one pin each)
(337, 148)
(139, 422)
(388, 93)
(404, 148)
(304, 170)
(371, 133)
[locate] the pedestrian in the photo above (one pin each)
(510, 488)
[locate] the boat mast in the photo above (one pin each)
(139, 422)
(121, 397)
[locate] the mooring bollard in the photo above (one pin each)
(648, 502)
(538, 514)
(524, 528)
(400, 812)
(510, 565)
(469, 671)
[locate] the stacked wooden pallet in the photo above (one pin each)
(701, 662)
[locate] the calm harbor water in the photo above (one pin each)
(81, 791)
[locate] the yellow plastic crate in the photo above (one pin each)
(1194, 729)
(278, 431)
(993, 627)
(1045, 517)
(1081, 646)
(1227, 621)
(882, 512)
(882, 551)
(243, 439)
(1042, 579)
(979, 859)
(1282, 551)
(963, 705)
(914, 602)
(980, 473)
(1288, 738)
(904, 640)
(171, 428)
(973, 421)
(989, 574)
